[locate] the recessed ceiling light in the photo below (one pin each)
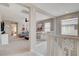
(67, 12)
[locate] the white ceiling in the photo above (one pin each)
(57, 9)
(14, 11)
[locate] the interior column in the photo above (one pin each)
(78, 26)
(32, 26)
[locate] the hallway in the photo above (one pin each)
(51, 31)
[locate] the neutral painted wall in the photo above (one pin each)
(67, 16)
(20, 22)
(55, 22)
(47, 20)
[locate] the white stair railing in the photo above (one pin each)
(62, 45)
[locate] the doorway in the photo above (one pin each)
(14, 29)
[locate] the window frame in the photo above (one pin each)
(74, 27)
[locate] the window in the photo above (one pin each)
(47, 27)
(69, 26)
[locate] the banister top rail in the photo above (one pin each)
(66, 36)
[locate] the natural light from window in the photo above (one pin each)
(47, 27)
(69, 26)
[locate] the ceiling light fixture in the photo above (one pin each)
(26, 20)
(67, 12)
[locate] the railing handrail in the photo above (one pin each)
(66, 36)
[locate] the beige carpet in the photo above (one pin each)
(21, 47)
(14, 47)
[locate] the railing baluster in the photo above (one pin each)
(62, 45)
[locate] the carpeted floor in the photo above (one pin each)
(21, 47)
(14, 47)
